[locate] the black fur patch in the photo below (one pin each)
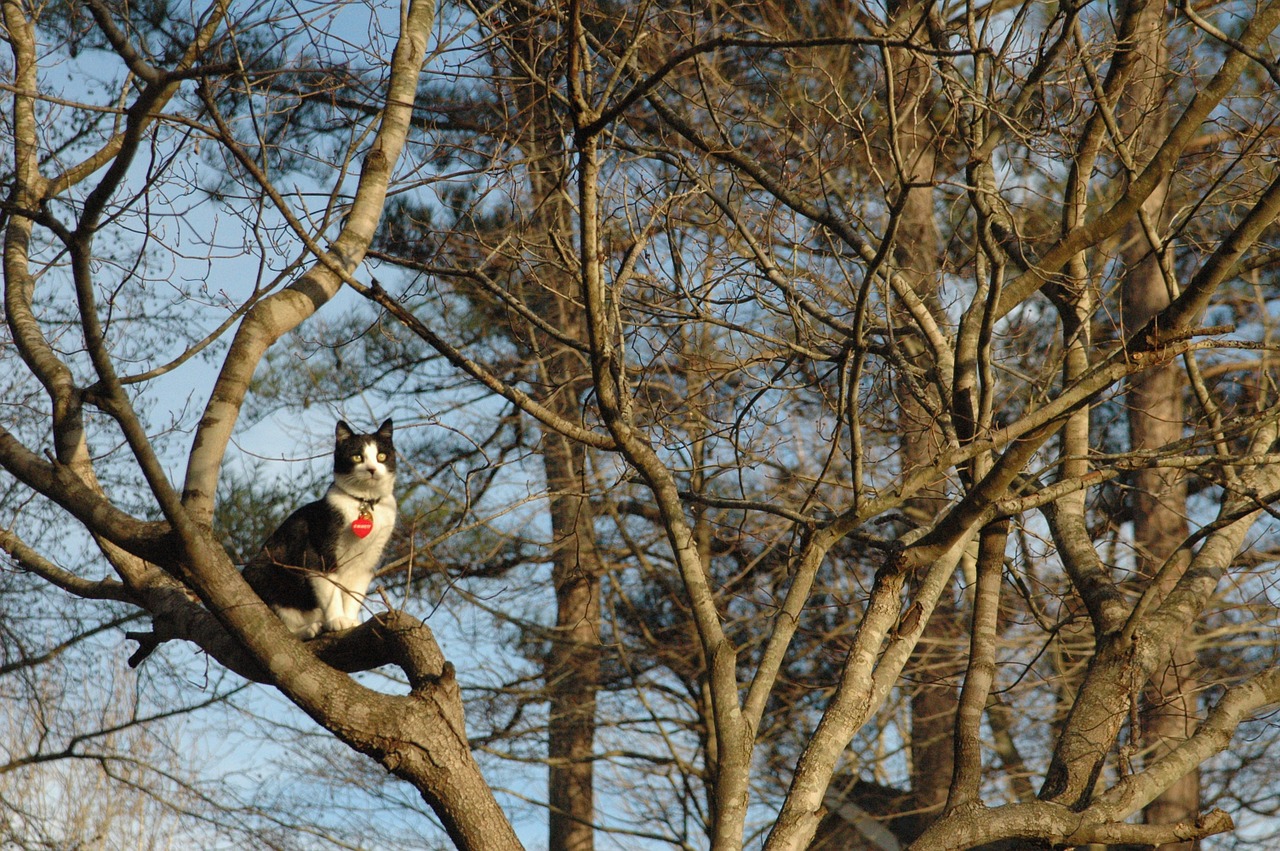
(301, 547)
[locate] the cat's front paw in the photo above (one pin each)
(308, 632)
(340, 623)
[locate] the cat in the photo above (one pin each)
(315, 570)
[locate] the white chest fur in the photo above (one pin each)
(341, 592)
(357, 558)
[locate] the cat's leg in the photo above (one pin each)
(310, 631)
(302, 624)
(352, 603)
(333, 606)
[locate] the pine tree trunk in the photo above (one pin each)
(1157, 417)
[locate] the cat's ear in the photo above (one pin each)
(384, 430)
(343, 431)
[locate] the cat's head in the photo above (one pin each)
(364, 464)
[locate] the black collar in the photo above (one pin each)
(365, 504)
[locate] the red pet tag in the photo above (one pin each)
(362, 525)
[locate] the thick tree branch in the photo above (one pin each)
(271, 318)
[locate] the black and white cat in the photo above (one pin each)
(315, 570)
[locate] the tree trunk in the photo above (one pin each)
(936, 665)
(1156, 417)
(573, 667)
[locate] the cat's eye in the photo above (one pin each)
(357, 458)
(382, 456)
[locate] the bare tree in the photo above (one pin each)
(163, 564)
(830, 327)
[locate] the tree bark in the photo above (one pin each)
(572, 668)
(936, 665)
(1156, 414)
